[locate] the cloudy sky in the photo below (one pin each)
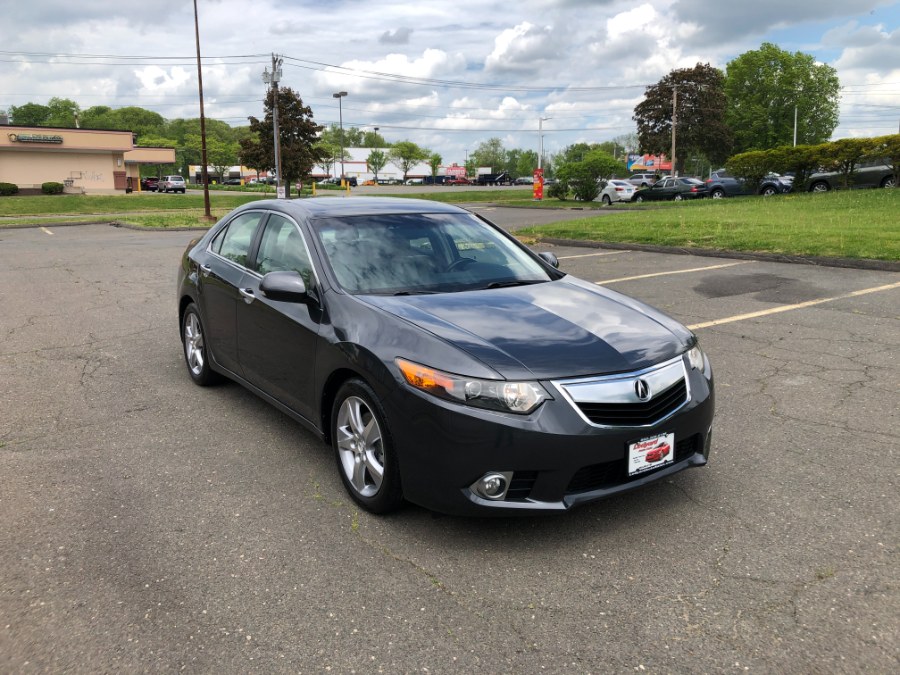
(447, 74)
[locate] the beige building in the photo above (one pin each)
(86, 161)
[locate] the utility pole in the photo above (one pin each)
(273, 79)
(204, 174)
(674, 120)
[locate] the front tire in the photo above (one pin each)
(639, 199)
(606, 200)
(196, 355)
(768, 191)
(718, 194)
(678, 198)
(888, 182)
(821, 186)
(366, 459)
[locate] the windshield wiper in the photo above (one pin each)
(416, 293)
(514, 282)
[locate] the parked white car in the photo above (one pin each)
(617, 190)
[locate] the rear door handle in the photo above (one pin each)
(205, 270)
(248, 295)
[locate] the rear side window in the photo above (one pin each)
(234, 241)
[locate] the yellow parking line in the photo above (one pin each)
(46, 231)
(788, 308)
(591, 255)
(662, 274)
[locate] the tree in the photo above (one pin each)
(700, 115)
(372, 139)
(583, 176)
(490, 153)
(220, 155)
(298, 133)
(526, 163)
(846, 154)
(63, 112)
(376, 161)
(764, 86)
(405, 155)
(434, 163)
(29, 114)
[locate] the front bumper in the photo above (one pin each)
(554, 458)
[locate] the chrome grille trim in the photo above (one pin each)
(619, 390)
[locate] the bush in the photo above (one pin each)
(559, 190)
(51, 188)
(7, 189)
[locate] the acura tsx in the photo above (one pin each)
(444, 362)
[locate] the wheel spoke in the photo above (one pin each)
(372, 433)
(376, 470)
(355, 412)
(359, 475)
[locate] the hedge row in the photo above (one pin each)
(52, 188)
(843, 156)
(8, 189)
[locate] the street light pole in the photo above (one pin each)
(674, 119)
(339, 95)
(204, 174)
(274, 78)
(376, 137)
(541, 121)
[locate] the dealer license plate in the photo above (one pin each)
(651, 453)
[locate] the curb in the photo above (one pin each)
(851, 263)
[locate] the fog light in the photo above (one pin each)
(492, 485)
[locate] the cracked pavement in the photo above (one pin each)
(147, 524)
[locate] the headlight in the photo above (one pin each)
(515, 397)
(695, 358)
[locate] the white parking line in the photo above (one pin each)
(663, 274)
(788, 308)
(591, 255)
(46, 231)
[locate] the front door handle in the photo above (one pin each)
(248, 295)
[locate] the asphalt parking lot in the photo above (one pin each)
(147, 524)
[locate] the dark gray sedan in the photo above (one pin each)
(670, 188)
(444, 362)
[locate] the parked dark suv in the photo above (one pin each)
(723, 184)
(871, 174)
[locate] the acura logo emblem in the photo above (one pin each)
(642, 390)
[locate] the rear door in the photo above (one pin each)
(222, 273)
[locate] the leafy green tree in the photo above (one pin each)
(526, 163)
(490, 153)
(434, 163)
(376, 162)
(220, 155)
(96, 117)
(299, 136)
(764, 86)
(582, 177)
(63, 112)
(29, 114)
(700, 115)
(405, 155)
(372, 139)
(845, 155)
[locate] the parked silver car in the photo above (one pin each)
(171, 184)
(616, 190)
(642, 179)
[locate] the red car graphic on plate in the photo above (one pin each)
(658, 453)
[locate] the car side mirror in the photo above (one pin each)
(285, 286)
(549, 258)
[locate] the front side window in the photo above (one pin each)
(422, 253)
(234, 241)
(282, 249)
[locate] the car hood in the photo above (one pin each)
(563, 328)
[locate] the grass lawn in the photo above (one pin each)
(844, 224)
(41, 205)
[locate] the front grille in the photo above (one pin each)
(521, 485)
(610, 474)
(636, 414)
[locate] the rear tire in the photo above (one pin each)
(888, 182)
(718, 193)
(366, 460)
(196, 355)
(678, 198)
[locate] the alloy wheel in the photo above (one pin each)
(360, 446)
(193, 344)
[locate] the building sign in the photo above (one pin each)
(455, 171)
(34, 138)
(648, 163)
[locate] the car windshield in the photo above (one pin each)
(400, 254)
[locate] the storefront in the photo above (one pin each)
(86, 161)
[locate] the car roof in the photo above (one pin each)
(336, 207)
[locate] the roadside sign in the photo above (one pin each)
(538, 188)
(281, 192)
